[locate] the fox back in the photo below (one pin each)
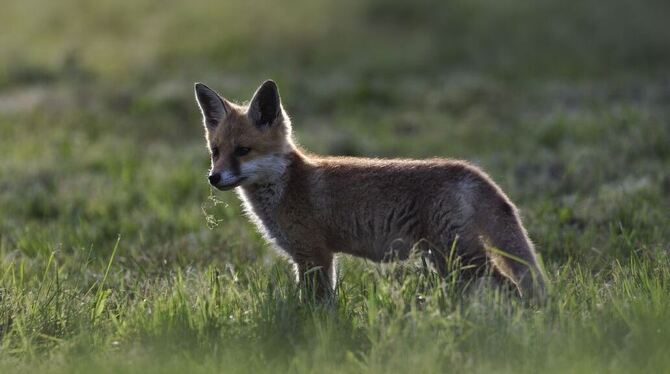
(312, 207)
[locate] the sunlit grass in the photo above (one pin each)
(395, 317)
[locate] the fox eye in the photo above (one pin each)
(241, 151)
(215, 152)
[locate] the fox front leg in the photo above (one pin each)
(316, 277)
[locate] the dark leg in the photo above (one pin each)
(316, 277)
(464, 259)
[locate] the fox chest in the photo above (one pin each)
(261, 206)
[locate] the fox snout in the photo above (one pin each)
(225, 180)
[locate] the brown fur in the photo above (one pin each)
(313, 207)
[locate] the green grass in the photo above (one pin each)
(115, 256)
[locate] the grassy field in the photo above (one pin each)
(115, 255)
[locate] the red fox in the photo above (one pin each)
(313, 207)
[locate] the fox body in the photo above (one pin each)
(312, 207)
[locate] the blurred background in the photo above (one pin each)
(565, 103)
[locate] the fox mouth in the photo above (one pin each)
(230, 186)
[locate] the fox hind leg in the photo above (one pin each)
(460, 257)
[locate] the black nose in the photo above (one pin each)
(214, 179)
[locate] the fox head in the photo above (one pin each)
(248, 144)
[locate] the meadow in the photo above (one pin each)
(116, 256)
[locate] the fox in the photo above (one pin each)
(313, 208)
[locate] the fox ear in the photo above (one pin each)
(211, 105)
(265, 107)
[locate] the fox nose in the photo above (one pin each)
(214, 179)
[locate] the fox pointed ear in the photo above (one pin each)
(212, 106)
(265, 108)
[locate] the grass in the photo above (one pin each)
(115, 256)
